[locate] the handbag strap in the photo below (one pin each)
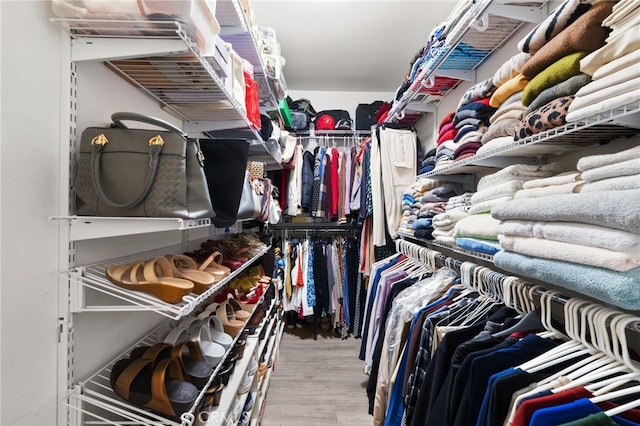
(118, 117)
(96, 161)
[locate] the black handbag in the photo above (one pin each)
(140, 172)
(225, 164)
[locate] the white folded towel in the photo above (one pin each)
(518, 172)
(613, 184)
(477, 226)
(625, 168)
(506, 189)
(543, 191)
(595, 161)
(557, 250)
(559, 179)
(573, 232)
(486, 206)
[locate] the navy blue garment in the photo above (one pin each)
(307, 180)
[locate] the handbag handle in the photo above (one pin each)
(155, 147)
(96, 160)
(118, 117)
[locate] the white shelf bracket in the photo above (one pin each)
(521, 13)
(100, 49)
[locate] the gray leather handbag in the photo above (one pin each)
(141, 172)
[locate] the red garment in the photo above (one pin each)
(447, 136)
(527, 408)
(335, 181)
(446, 120)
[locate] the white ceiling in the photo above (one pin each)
(349, 45)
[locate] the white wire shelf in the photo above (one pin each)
(597, 129)
(483, 28)
(95, 399)
(94, 277)
(92, 227)
(435, 245)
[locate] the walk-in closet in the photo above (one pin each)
(346, 212)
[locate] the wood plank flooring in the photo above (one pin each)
(317, 382)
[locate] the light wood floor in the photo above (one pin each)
(317, 382)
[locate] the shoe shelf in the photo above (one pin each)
(600, 128)
(219, 414)
(487, 22)
(94, 277)
(162, 60)
(263, 386)
(267, 326)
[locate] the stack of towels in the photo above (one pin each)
(553, 72)
(588, 241)
(563, 183)
(613, 67)
(479, 231)
(413, 207)
(455, 210)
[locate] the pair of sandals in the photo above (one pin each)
(231, 314)
(169, 278)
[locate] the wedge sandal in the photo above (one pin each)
(187, 268)
(227, 317)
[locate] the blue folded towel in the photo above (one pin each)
(481, 246)
(617, 288)
(422, 223)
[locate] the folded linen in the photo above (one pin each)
(423, 234)
(616, 288)
(630, 59)
(558, 250)
(423, 223)
(612, 184)
(496, 142)
(442, 232)
(559, 19)
(573, 232)
(559, 179)
(604, 83)
(481, 226)
(584, 108)
(505, 128)
(481, 246)
(486, 206)
(566, 88)
(631, 86)
(507, 89)
(449, 218)
(621, 11)
(625, 168)
(596, 161)
(616, 47)
(506, 189)
(506, 111)
(561, 70)
(584, 34)
(444, 239)
(510, 69)
(549, 116)
(543, 191)
(518, 172)
(592, 208)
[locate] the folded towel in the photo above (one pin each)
(559, 19)
(566, 88)
(448, 218)
(438, 232)
(596, 161)
(565, 188)
(506, 189)
(593, 208)
(616, 288)
(481, 246)
(572, 232)
(481, 226)
(612, 184)
(507, 89)
(551, 115)
(587, 96)
(585, 34)
(423, 234)
(486, 206)
(561, 70)
(481, 90)
(501, 129)
(625, 168)
(628, 60)
(559, 179)
(510, 69)
(616, 47)
(585, 107)
(518, 172)
(558, 250)
(496, 142)
(445, 239)
(422, 224)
